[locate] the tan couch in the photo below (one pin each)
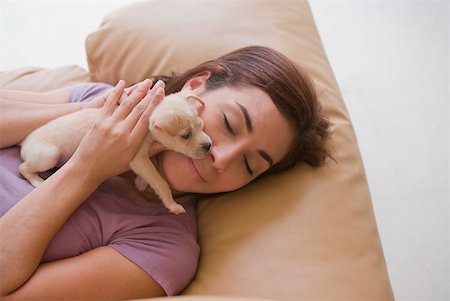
(305, 234)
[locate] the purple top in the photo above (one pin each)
(162, 244)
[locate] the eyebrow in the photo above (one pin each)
(248, 121)
(266, 157)
(249, 126)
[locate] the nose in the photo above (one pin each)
(223, 156)
(206, 146)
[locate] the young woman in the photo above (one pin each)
(87, 233)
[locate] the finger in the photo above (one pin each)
(102, 100)
(140, 108)
(130, 89)
(137, 111)
(97, 102)
(130, 101)
(146, 104)
(123, 96)
(133, 88)
(141, 127)
(113, 98)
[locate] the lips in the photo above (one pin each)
(196, 170)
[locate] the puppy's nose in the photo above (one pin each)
(206, 146)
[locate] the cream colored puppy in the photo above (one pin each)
(174, 123)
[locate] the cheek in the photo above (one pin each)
(233, 181)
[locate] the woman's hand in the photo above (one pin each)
(118, 132)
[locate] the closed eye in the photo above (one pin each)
(247, 166)
(227, 125)
(186, 135)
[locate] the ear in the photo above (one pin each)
(193, 99)
(197, 82)
(167, 123)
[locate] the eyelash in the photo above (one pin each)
(227, 124)
(230, 129)
(249, 170)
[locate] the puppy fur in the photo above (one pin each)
(174, 123)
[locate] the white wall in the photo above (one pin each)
(391, 59)
(48, 33)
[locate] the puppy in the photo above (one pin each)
(174, 123)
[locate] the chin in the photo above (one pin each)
(173, 167)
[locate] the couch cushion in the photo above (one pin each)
(41, 79)
(303, 234)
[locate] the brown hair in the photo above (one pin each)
(289, 87)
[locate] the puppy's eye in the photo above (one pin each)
(186, 135)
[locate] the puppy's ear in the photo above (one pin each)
(196, 101)
(168, 123)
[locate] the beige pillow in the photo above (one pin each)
(304, 234)
(157, 37)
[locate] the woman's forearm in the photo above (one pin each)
(28, 228)
(60, 95)
(18, 119)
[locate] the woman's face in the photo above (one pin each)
(248, 135)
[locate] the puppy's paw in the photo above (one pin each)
(176, 208)
(140, 184)
(36, 181)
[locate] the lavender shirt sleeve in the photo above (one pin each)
(87, 91)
